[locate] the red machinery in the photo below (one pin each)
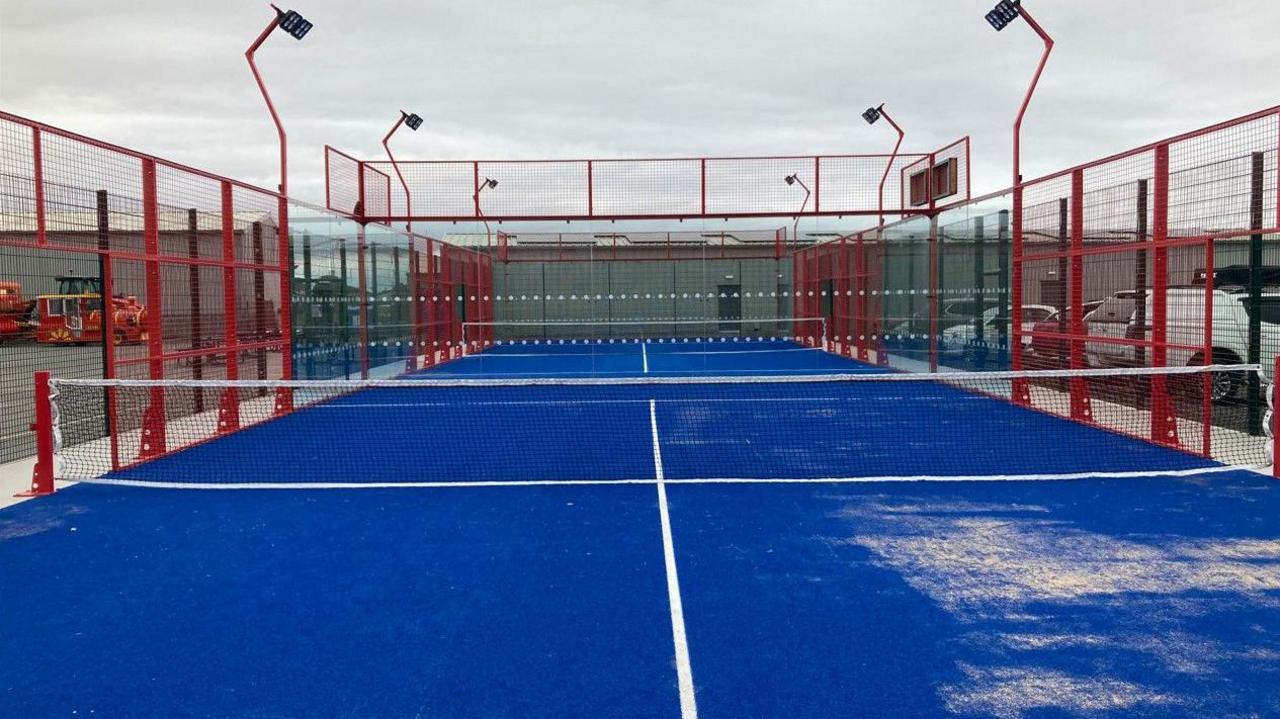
(74, 315)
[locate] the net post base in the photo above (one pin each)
(229, 411)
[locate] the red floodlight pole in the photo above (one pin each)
(795, 180)
(488, 184)
(297, 26)
(414, 122)
(871, 116)
(1004, 13)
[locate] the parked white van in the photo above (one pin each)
(1230, 341)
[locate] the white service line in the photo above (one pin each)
(684, 671)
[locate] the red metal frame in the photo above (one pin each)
(588, 204)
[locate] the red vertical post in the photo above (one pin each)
(591, 206)
(362, 286)
(37, 167)
(328, 202)
(817, 183)
(934, 259)
(229, 403)
(704, 185)
(153, 423)
(1164, 427)
(1021, 389)
(860, 297)
(415, 307)
(364, 209)
(1081, 409)
(108, 319)
(1206, 387)
(475, 186)
(42, 474)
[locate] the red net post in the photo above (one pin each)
(1081, 409)
(153, 421)
(42, 474)
(229, 402)
(1206, 387)
(284, 396)
(1021, 389)
(1164, 424)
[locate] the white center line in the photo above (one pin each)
(684, 672)
(644, 356)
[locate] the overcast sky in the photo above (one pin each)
(497, 79)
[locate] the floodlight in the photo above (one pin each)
(294, 24)
(412, 120)
(490, 183)
(1004, 13)
(791, 179)
(871, 115)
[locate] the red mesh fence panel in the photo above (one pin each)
(342, 181)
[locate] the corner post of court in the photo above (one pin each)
(1081, 410)
(42, 474)
(153, 421)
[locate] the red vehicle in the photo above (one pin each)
(1050, 349)
(74, 315)
(15, 313)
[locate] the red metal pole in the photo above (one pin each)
(229, 403)
(590, 190)
(1081, 409)
(817, 184)
(1021, 391)
(892, 158)
(153, 424)
(1164, 427)
(275, 117)
(42, 474)
(408, 202)
(37, 159)
(284, 399)
(1206, 387)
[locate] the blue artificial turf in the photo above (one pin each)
(1155, 597)
(1145, 597)
(546, 602)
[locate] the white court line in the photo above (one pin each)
(644, 357)
(684, 671)
(885, 479)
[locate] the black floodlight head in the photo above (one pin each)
(1004, 13)
(490, 183)
(412, 120)
(791, 179)
(871, 115)
(294, 24)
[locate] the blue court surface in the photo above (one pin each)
(650, 550)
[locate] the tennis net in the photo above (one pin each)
(810, 330)
(847, 427)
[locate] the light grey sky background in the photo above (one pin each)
(499, 79)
